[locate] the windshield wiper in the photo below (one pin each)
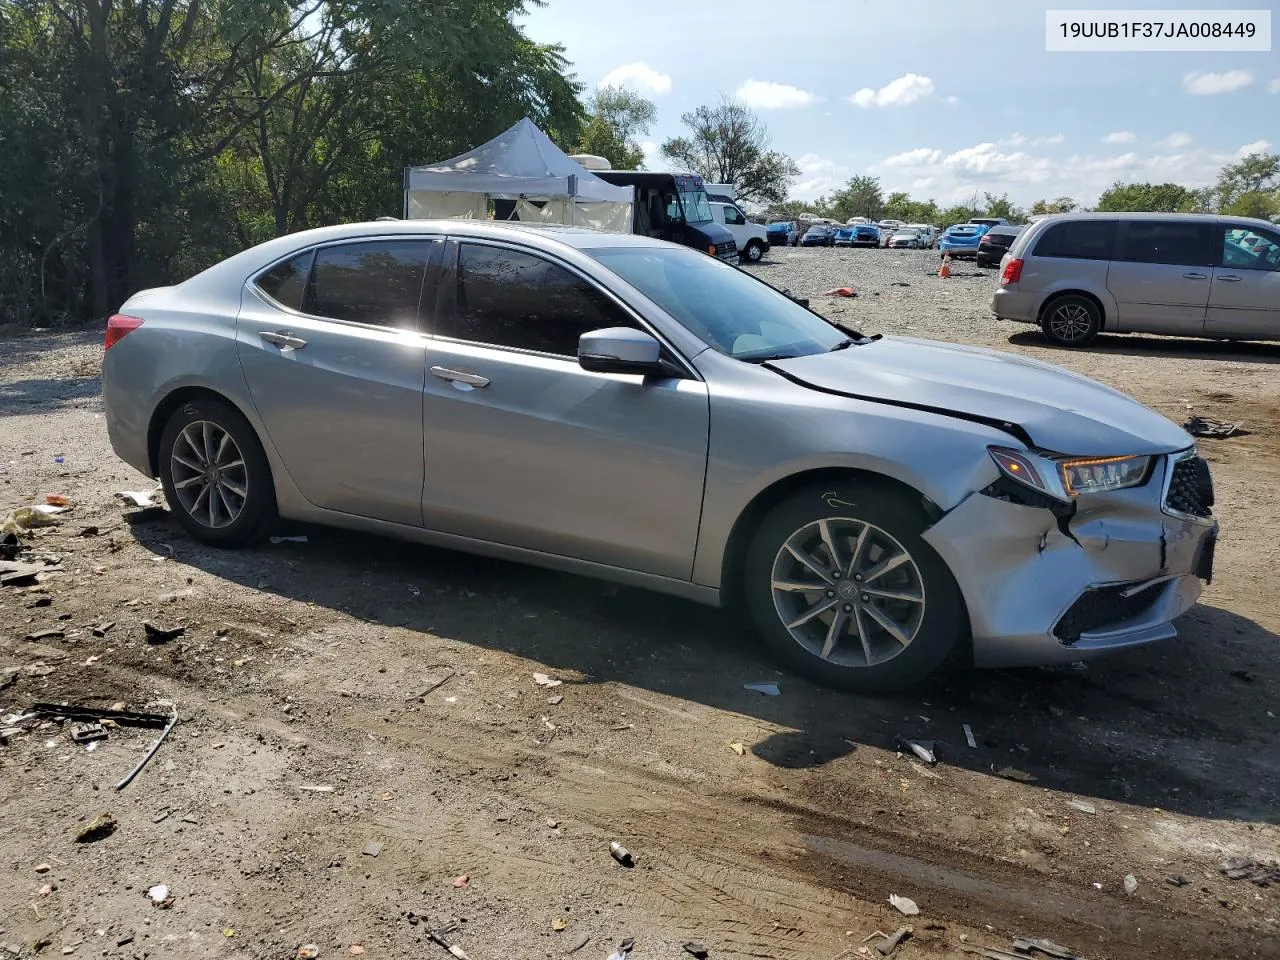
(857, 341)
(768, 357)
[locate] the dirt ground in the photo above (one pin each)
(350, 691)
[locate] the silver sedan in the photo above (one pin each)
(624, 408)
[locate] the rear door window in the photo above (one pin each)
(378, 282)
(1077, 240)
(1179, 242)
(1247, 249)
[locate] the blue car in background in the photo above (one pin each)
(961, 239)
(818, 235)
(858, 235)
(782, 234)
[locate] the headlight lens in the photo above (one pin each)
(1068, 477)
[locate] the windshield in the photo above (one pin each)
(697, 209)
(724, 307)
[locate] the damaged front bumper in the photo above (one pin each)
(1044, 587)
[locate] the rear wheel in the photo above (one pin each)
(1071, 321)
(216, 477)
(842, 588)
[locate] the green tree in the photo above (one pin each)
(1256, 203)
(900, 206)
(1254, 176)
(728, 143)
(1145, 197)
(860, 197)
(1061, 205)
(790, 209)
(1001, 206)
(616, 119)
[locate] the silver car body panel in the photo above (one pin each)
(644, 481)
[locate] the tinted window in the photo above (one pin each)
(1180, 242)
(284, 282)
(1078, 240)
(379, 282)
(734, 216)
(514, 299)
(1245, 249)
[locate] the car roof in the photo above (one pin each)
(1190, 217)
(1010, 228)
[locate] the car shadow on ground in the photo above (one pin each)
(1175, 726)
(1138, 345)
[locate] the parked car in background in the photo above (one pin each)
(621, 407)
(928, 234)
(907, 238)
(994, 243)
(865, 234)
(1189, 275)
(782, 233)
(843, 237)
(990, 221)
(752, 238)
(819, 235)
(887, 229)
(961, 239)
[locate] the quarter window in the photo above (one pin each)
(1181, 242)
(285, 282)
(512, 299)
(1245, 249)
(1077, 240)
(379, 282)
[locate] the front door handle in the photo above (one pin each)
(1229, 279)
(1196, 276)
(460, 376)
(283, 339)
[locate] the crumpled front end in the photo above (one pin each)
(1047, 582)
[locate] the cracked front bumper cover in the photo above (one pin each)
(1037, 595)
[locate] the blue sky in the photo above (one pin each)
(939, 99)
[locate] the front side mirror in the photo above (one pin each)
(620, 350)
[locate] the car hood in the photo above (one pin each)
(1058, 410)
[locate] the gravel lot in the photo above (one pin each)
(350, 691)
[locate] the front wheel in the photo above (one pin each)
(1071, 321)
(753, 251)
(215, 474)
(841, 586)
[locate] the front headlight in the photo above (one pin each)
(1068, 477)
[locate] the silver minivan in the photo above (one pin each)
(1188, 275)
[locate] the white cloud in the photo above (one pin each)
(766, 95)
(653, 159)
(1205, 84)
(818, 175)
(1175, 141)
(1274, 86)
(1258, 146)
(1022, 140)
(638, 76)
(919, 157)
(906, 89)
(951, 101)
(1120, 136)
(986, 161)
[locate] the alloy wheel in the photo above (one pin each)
(209, 475)
(848, 592)
(1070, 322)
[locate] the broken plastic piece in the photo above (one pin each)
(921, 748)
(893, 941)
(621, 854)
(768, 689)
(904, 905)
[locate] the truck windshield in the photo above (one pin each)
(697, 209)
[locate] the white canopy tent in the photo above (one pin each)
(520, 164)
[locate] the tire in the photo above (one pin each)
(1070, 320)
(752, 252)
(934, 624)
(194, 429)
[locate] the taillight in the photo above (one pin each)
(1012, 273)
(117, 326)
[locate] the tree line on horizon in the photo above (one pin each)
(144, 140)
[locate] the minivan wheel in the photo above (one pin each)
(1071, 321)
(216, 477)
(840, 585)
(753, 251)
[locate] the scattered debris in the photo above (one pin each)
(88, 732)
(159, 895)
(1177, 881)
(1204, 427)
(893, 941)
(308, 951)
(157, 635)
(372, 848)
(1013, 773)
(968, 737)
(904, 905)
(738, 748)
(695, 949)
(43, 868)
(356, 950)
(621, 854)
(460, 882)
(438, 936)
(559, 924)
(921, 748)
(287, 539)
(1130, 884)
(581, 941)
(315, 787)
(90, 531)
(841, 292)
(1024, 945)
(10, 546)
(924, 771)
(24, 519)
(542, 680)
(101, 629)
(57, 500)
(1082, 805)
(436, 685)
(138, 498)
(45, 890)
(101, 826)
(51, 634)
(768, 689)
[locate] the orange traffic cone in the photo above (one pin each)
(944, 271)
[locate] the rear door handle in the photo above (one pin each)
(283, 339)
(1196, 276)
(460, 376)
(1228, 279)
